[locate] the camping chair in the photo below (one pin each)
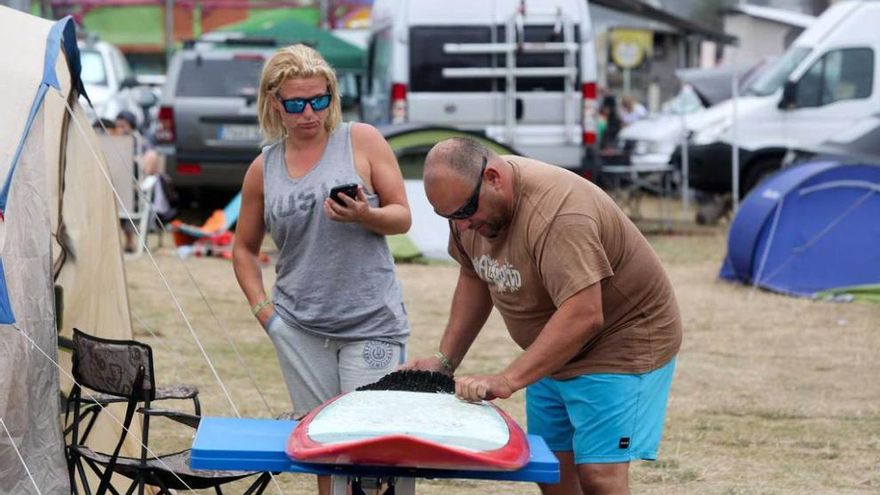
(124, 369)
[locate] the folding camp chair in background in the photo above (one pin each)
(123, 369)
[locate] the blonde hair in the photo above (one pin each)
(293, 62)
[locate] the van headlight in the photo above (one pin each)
(649, 147)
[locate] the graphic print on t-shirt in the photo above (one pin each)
(501, 273)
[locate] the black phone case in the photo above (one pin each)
(349, 190)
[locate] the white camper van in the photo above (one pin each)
(520, 72)
(834, 81)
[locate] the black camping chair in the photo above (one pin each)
(123, 369)
(97, 401)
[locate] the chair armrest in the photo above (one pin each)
(181, 417)
(176, 391)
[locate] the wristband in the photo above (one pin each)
(260, 305)
(444, 361)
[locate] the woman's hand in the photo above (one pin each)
(355, 210)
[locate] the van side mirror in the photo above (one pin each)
(787, 102)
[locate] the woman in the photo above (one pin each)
(336, 314)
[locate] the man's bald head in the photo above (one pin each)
(462, 156)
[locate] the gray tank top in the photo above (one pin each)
(334, 279)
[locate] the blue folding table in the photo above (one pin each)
(259, 445)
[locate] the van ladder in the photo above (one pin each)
(515, 44)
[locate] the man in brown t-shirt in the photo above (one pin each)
(579, 289)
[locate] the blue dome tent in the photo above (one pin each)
(810, 228)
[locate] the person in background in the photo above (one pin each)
(609, 124)
(336, 313)
(146, 164)
(631, 110)
(579, 289)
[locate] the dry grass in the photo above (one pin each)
(772, 395)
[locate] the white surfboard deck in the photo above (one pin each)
(439, 418)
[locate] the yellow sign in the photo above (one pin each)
(629, 47)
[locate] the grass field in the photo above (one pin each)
(772, 395)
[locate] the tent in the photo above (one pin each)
(284, 27)
(60, 249)
(809, 228)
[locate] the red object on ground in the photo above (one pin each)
(403, 450)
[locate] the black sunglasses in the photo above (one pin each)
(298, 105)
(468, 209)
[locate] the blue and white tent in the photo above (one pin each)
(809, 228)
(59, 234)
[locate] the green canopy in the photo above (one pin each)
(287, 30)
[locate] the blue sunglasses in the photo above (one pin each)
(298, 105)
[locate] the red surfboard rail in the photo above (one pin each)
(402, 450)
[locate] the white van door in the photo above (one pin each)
(835, 90)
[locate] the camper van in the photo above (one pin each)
(833, 83)
(520, 72)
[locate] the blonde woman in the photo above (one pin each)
(336, 314)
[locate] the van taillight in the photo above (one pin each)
(588, 117)
(398, 103)
(165, 131)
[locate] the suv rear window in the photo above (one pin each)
(220, 77)
(427, 59)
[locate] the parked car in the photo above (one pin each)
(207, 122)
(207, 125)
(653, 141)
(829, 84)
(108, 80)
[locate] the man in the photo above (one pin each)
(631, 110)
(579, 289)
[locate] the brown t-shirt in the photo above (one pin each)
(565, 235)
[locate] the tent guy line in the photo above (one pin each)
(20, 458)
(142, 196)
(155, 265)
(177, 304)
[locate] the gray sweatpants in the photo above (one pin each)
(317, 369)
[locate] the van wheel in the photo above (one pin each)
(761, 170)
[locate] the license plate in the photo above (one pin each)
(238, 132)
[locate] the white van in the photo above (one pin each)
(834, 83)
(521, 72)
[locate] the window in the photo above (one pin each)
(846, 74)
(772, 78)
(220, 77)
(379, 61)
(427, 59)
(93, 69)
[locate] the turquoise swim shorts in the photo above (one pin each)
(602, 417)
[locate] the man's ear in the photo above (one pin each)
(492, 175)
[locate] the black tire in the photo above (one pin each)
(760, 170)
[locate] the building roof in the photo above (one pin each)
(781, 16)
(644, 10)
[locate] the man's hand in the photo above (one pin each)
(424, 364)
(482, 387)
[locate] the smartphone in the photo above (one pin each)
(350, 190)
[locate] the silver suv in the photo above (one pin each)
(207, 123)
